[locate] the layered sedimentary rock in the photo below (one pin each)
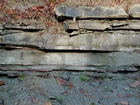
(97, 39)
(99, 12)
(88, 12)
(47, 61)
(94, 24)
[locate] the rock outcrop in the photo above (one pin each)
(97, 39)
(88, 12)
(30, 59)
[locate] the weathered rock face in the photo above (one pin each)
(25, 26)
(92, 25)
(87, 12)
(96, 25)
(99, 44)
(1, 27)
(134, 11)
(65, 60)
(99, 41)
(70, 25)
(83, 12)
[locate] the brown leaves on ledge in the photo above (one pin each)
(33, 12)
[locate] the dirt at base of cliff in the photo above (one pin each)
(70, 88)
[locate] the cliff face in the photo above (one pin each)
(69, 52)
(75, 38)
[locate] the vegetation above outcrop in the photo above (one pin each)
(12, 13)
(13, 10)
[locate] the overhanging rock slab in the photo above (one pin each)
(99, 41)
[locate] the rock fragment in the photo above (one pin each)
(70, 25)
(92, 25)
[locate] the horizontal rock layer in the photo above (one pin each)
(24, 26)
(117, 41)
(102, 24)
(88, 12)
(30, 59)
(99, 41)
(97, 12)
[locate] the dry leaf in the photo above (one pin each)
(47, 103)
(123, 103)
(61, 82)
(2, 83)
(135, 84)
(70, 85)
(34, 100)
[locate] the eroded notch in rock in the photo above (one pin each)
(33, 27)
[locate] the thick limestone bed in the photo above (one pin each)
(47, 61)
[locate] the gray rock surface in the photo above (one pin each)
(88, 12)
(25, 26)
(134, 11)
(119, 23)
(101, 41)
(127, 25)
(6, 69)
(1, 28)
(69, 61)
(97, 25)
(97, 12)
(92, 25)
(70, 25)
